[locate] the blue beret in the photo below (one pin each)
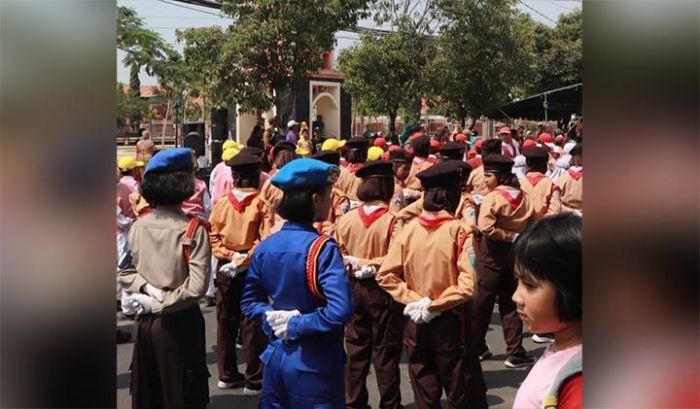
(304, 173)
(170, 160)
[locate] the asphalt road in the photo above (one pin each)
(502, 382)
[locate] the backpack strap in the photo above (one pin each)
(460, 243)
(312, 266)
(572, 367)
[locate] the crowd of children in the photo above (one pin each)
(362, 246)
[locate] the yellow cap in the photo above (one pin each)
(375, 153)
(332, 145)
(128, 163)
(229, 144)
(229, 153)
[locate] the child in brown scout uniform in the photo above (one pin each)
(400, 168)
(428, 269)
(282, 154)
(347, 182)
(327, 226)
(238, 223)
(375, 332)
(171, 259)
(505, 213)
(421, 152)
(477, 183)
(571, 183)
(540, 190)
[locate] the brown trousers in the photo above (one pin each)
(495, 278)
(373, 336)
(168, 368)
(436, 361)
(228, 319)
(473, 375)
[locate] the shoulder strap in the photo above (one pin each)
(460, 243)
(312, 266)
(189, 234)
(572, 367)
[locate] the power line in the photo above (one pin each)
(189, 8)
(537, 11)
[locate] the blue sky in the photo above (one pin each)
(165, 16)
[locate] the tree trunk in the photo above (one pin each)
(284, 102)
(135, 95)
(165, 123)
(392, 122)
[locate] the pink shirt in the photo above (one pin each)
(123, 192)
(195, 205)
(130, 182)
(533, 390)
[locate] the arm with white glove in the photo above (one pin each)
(279, 321)
(414, 310)
(142, 303)
(234, 267)
(365, 272)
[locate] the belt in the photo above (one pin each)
(327, 337)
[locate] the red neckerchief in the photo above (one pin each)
(354, 167)
(534, 178)
(514, 201)
(368, 219)
(507, 152)
(433, 222)
(576, 175)
(240, 206)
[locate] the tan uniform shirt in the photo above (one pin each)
(571, 192)
(499, 220)
(423, 262)
(156, 241)
(412, 182)
(235, 230)
(542, 194)
(368, 243)
(476, 183)
(348, 183)
(466, 212)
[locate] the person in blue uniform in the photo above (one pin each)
(299, 291)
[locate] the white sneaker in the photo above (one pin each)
(225, 385)
(251, 392)
(542, 339)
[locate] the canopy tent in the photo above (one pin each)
(556, 104)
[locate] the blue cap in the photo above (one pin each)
(304, 173)
(170, 160)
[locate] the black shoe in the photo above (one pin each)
(519, 361)
(485, 353)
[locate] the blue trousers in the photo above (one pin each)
(296, 377)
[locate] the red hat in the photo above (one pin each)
(435, 144)
(381, 142)
(460, 137)
(529, 143)
(545, 138)
(387, 155)
(394, 148)
(504, 129)
(471, 154)
(477, 145)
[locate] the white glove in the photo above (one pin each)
(142, 303)
(279, 321)
(365, 272)
(410, 193)
(230, 269)
(425, 315)
(154, 292)
(414, 310)
(352, 261)
(238, 256)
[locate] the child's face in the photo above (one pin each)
(322, 204)
(491, 180)
(535, 300)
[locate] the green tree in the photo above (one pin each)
(560, 51)
(260, 61)
(387, 73)
(143, 49)
(486, 56)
